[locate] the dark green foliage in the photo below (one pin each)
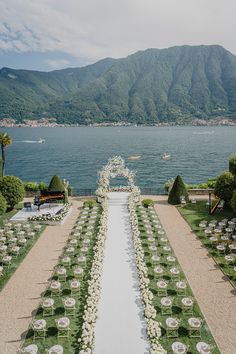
(225, 184)
(43, 186)
(3, 204)
(12, 189)
(147, 202)
(211, 183)
(233, 201)
(70, 191)
(90, 203)
(31, 186)
(175, 84)
(56, 185)
(34, 186)
(178, 190)
(232, 165)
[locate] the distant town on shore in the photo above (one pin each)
(51, 123)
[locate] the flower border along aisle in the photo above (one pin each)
(153, 326)
(90, 314)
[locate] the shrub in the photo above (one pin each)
(3, 204)
(70, 191)
(233, 201)
(31, 186)
(211, 183)
(203, 186)
(90, 203)
(225, 185)
(12, 189)
(232, 165)
(43, 186)
(147, 202)
(178, 190)
(56, 185)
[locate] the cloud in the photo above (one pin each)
(93, 29)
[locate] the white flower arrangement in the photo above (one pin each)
(114, 168)
(94, 287)
(50, 217)
(153, 326)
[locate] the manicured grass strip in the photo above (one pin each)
(70, 344)
(16, 261)
(176, 308)
(9, 214)
(193, 215)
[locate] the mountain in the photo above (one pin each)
(176, 84)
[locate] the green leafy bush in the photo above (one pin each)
(178, 190)
(147, 202)
(56, 185)
(232, 165)
(12, 189)
(233, 201)
(70, 190)
(42, 186)
(31, 186)
(3, 204)
(203, 186)
(90, 203)
(225, 185)
(211, 183)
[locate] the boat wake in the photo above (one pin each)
(204, 133)
(40, 141)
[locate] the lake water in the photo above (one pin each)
(78, 153)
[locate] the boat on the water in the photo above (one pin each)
(134, 157)
(166, 156)
(41, 141)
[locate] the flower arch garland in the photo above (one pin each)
(114, 168)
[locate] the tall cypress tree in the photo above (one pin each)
(56, 185)
(178, 190)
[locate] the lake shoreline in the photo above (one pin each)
(11, 123)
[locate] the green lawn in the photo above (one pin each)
(176, 308)
(193, 215)
(70, 344)
(8, 272)
(9, 214)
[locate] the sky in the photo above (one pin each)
(54, 34)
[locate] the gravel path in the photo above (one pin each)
(21, 296)
(214, 293)
(120, 327)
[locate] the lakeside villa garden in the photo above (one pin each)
(67, 316)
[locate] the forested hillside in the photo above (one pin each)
(175, 84)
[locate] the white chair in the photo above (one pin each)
(30, 349)
(63, 327)
(69, 306)
(56, 349)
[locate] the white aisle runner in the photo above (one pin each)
(120, 327)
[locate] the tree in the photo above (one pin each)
(225, 185)
(232, 165)
(233, 201)
(5, 140)
(3, 204)
(178, 190)
(12, 189)
(56, 185)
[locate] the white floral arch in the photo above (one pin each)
(115, 168)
